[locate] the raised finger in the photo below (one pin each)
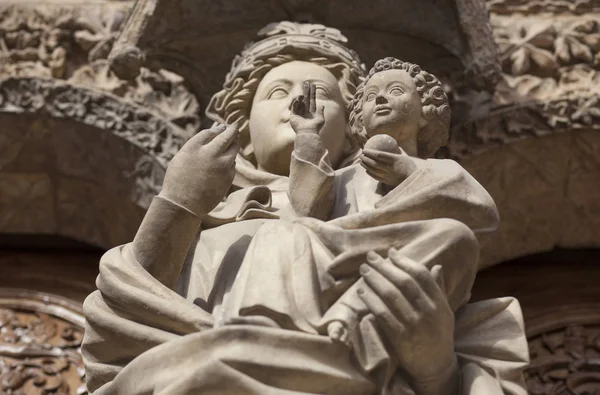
(306, 94)
(224, 140)
(204, 137)
(419, 272)
(393, 297)
(213, 132)
(234, 147)
(403, 282)
(379, 156)
(313, 99)
(438, 276)
(297, 105)
(322, 111)
(380, 310)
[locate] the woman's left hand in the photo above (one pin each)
(411, 308)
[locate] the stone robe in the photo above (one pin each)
(143, 337)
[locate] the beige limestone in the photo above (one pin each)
(256, 250)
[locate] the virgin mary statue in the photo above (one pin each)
(251, 240)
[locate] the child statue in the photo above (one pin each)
(400, 115)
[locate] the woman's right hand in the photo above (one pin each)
(201, 173)
(305, 116)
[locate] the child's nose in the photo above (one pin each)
(380, 99)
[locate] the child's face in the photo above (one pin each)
(392, 106)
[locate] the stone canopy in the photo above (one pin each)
(198, 39)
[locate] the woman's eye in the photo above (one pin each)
(396, 91)
(371, 96)
(322, 93)
(277, 93)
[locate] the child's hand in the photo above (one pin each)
(387, 168)
(338, 331)
(306, 117)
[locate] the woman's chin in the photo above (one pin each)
(280, 158)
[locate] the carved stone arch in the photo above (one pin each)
(546, 192)
(77, 162)
(199, 39)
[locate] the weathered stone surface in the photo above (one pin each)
(550, 82)
(545, 192)
(39, 344)
(561, 307)
(63, 169)
(198, 39)
(260, 254)
(531, 144)
(114, 137)
(26, 203)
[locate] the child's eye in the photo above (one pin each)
(371, 96)
(396, 91)
(277, 93)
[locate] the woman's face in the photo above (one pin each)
(271, 134)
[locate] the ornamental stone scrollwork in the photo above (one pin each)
(451, 38)
(72, 43)
(534, 142)
(59, 99)
(51, 40)
(79, 144)
(40, 338)
(537, 6)
(550, 81)
(75, 131)
(565, 362)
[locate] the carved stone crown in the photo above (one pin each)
(290, 37)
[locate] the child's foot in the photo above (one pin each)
(338, 331)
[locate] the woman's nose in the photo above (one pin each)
(295, 91)
(286, 113)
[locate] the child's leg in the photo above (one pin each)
(343, 316)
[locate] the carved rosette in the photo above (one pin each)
(40, 338)
(565, 361)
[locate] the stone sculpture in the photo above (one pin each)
(231, 295)
(403, 109)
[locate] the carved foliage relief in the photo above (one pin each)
(550, 55)
(534, 144)
(565, 362)
(88, 143)
(40, 338)
(62, 100)
(72, 43)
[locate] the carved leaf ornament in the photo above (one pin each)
(40, 339)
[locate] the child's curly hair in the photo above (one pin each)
(434, 102)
